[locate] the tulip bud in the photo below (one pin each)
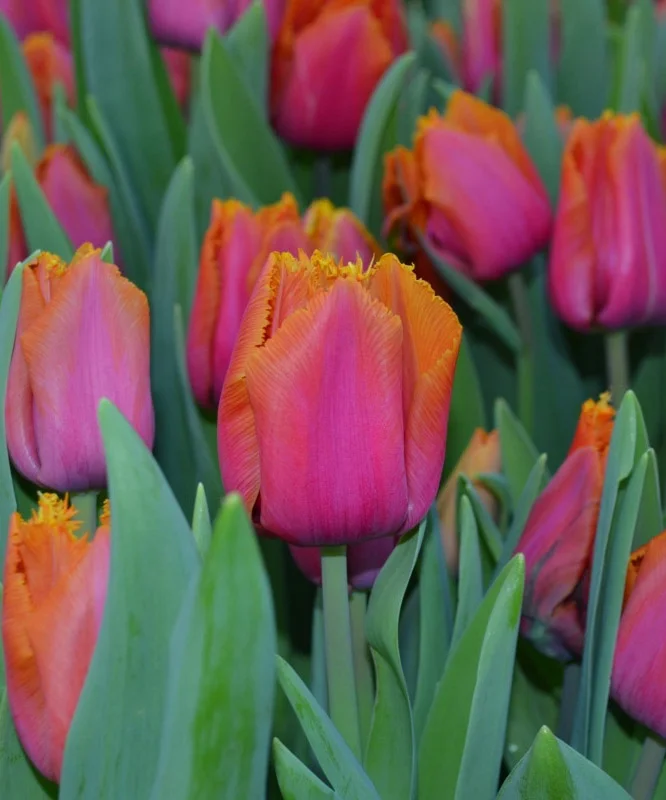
(640, 657)
(36, 16)
(54, 593)
(49, 63)
(339, 231)
(558, 539)
(470, 188)
(333, 416)
(482, 454)
(83, 334)
(327, 61)
(608, 256)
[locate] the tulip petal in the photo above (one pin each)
(338, 231)
(49, 63)
(91, 341)
(431, 340)
(327, 400)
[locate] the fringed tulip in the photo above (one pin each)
(183, 23)
(234, 251)
(83, 334)
(558, 539)
(49, 63)
(35, 16)
(470, 188)
(640, 652)
(482, 455)
(54, 593)
(608, 256)
(333, 416)
(329, 57)
(364, 561)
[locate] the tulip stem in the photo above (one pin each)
(525, 359)
(358, 605)
(648, 770)
(338, 645)
(617, 364)
(86, 506)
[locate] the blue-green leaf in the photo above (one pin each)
(5, 185)
(526, 46)
(470, 580)
(519, 455)
(295, 779)
(201, 525)
(542, 136)
(250, 48)
(16, 86)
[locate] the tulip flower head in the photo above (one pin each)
(364, 561)
(83, 334)
(470, 188)
(607, 265)
(558, 539)
(54, 593)
(333, 416)
(640, 652)
(36, 16)
(328, 58)
(49, 63)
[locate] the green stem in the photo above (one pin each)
(365, 688)
(339, 653)
(86, 506)
(570, 689)
(617, 364)
(648, 770)
(525, 359)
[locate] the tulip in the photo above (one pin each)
(54, 593)
(333, 416)
(364, 561)
(328, 59)
(35, 16)
(640, 656)
(482, 455)
(340, 232)
(470, 188)
(49, 63)
(183, 23)
(558, 539)
(608, 256)
(83, 334)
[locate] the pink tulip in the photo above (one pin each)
(35, 16)
(49, 62)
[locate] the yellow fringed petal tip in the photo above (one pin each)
(54, 511)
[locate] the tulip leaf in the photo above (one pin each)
(249, 46)
(436, 619)
(623, 485)
(153, 559)
(470, 707)
(490, 534)
(495, 317)
(519, 455)
(179, 446)
(217, 722)
(42, 229)
(390, 757)
(542, 136)
(526, 45)
(74, 8)
(251, 156)
(470, 580)
(583, 68)
(16, 87)
(58, 108)
(129, 97)
(365, 189)
(295, 779)
(650, 517)
(5, 187)
(632, 64)
(334, 756)
(201, 525)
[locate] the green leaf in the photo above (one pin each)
(526, 46)
(542, 136)
(201, 524)
(107, 253)
(42, 229)
(128, 96)
(582, 78)
(179, 445)
(495, 317)
(253, 161)
(16, 86)
(367, 162)
(5, 186)
(153, 558)
(519, 455)
(490, 533)
(217, 722)
(470, 580)
(295, 779)
(470, 708)
(650, 518)
(58, 108)
(390, 757)
(248, 44)
(74, 8)
(336, 759)
(632, 65)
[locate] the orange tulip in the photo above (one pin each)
(333, 416)
(470, 188)
(482, 455)
(83, 334)
(608, 256)
(328, 58)
(558, 539)
(234, 251)
(54, 593)
(49, 63)
(640, 655)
